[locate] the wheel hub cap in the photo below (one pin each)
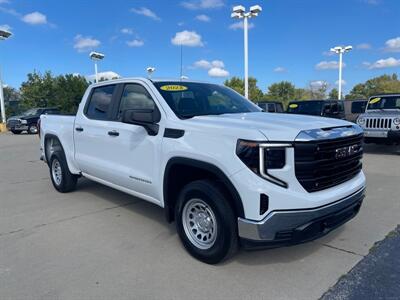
(199, 223)
(56, 171)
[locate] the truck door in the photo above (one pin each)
(93, 146)
(135, 156)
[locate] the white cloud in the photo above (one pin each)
(317, 84)
(203, 18)
(240, 25)
(328, 65)
(393, 45)
(4, 1)
(127, 30)
(205, 64)
(5, 27)
(328, 53)
(343, 82)
(202, 4)
(35, 18)
(144, 11)
(103, 75)
(390, 62)
(181, 23)
(218, 72)
(364, 46)
(280, 70)
(187, 38)
(135, 43)
(83, 44)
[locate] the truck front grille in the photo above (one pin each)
(13, 123)
(326, 163)
(379, 123)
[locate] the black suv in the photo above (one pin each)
(323, 108)
(28, 120)
(271, 106)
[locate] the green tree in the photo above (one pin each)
(236, 83)
(333, 94)
(377, 85)
(11, 100)
(283, 91)
(64, 91)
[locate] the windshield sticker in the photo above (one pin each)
(375, 100)
(173, 88)
(293, 105)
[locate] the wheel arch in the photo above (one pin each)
(173, 183)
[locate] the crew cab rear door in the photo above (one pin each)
(93, 146)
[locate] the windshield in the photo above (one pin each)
(189, 99)
(30, 112)
(306, 108)
(385, 102)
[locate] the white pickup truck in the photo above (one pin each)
(227, 173)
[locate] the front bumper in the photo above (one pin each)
(287, 227)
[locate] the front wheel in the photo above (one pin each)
(205, 222)
(16, 131)
(62, 179)
(32, 129)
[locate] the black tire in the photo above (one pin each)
(67, 181)
(16, 131)
(225, 244)
(33, 129)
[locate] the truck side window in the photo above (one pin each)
(135, 96)
(271, 107)
(99, 102)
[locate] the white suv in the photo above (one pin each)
(227, 173)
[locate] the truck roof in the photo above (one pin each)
(128, 79)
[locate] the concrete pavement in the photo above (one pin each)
(102, 244)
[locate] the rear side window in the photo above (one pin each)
(135, 96)
(358, 107)
(99, 102)
(271, 107)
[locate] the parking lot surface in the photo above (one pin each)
(98, 243)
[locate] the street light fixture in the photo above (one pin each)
(239, 12)
(340, 50)
(150, 71)
(4, 34)
(96, 56)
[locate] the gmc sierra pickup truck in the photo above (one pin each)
(227, 173)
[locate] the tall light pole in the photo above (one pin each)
(4, 34)
(96, 56)
(239, 12)
(340, 50)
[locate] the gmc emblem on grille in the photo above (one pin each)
(347, 151)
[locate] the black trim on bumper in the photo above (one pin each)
(306, 225)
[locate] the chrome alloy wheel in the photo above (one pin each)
(199, 223)
(33, 129)
(56, 171)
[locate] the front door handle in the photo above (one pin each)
(113, 133)
(80, 129)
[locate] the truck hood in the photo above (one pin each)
(382, 113)
(274, 126)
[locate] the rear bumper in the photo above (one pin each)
(282, 228)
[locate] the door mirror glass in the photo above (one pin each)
(148, 118)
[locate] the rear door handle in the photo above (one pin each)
(113, 133)
(80, 129)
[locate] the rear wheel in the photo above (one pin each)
(62, 179)
(206, 222)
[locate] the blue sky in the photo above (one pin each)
(290, 40)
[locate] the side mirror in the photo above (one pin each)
(148, 118)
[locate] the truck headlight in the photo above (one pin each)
(261, 157)
(361, 121)
(396, 121)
